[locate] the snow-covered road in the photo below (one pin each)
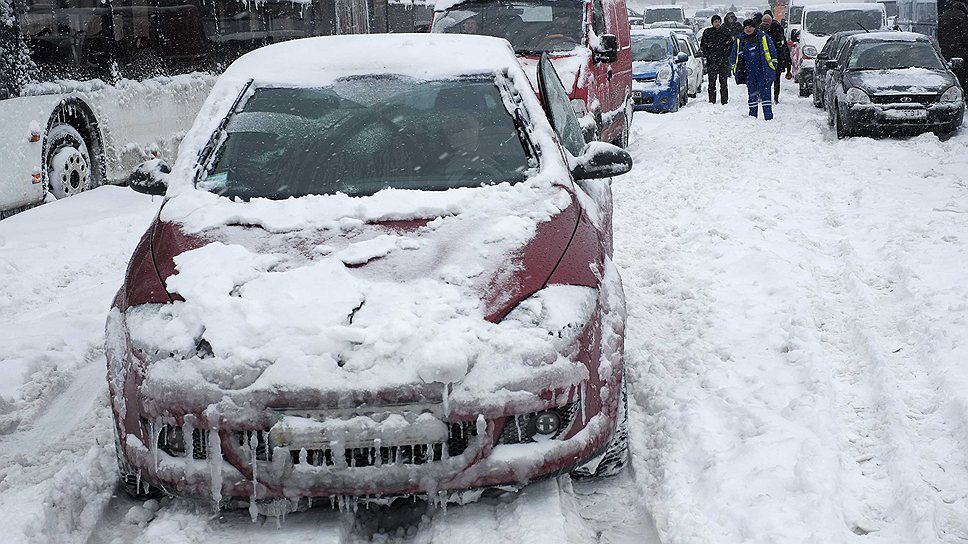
(798, 320)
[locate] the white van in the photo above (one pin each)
(793, 14)
(818, 23)
(660, 14)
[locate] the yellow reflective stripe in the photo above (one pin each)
(769, 57)
(736, 58)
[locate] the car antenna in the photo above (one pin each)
(864, 27)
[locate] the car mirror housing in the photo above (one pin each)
(600, 160)
(150, 177)
(681, 57)
(956, 63)
(607, 50)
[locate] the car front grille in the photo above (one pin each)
(912, 99)
(459, 436)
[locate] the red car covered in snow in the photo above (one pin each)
(372, 277)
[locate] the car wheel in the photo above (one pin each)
(67, 162)
(129, 480)
(616, 454)
(842, 131)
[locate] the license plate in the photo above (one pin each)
(915, 115)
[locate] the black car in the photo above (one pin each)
(820, 72)
(893, 82)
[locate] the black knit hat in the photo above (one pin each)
(748, 22)
(715, 18)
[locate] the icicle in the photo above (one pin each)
(154, 430)
(188, 439)
(215, 465)
(377, 456)
(517, 425)
(446, 400)
(253, 508)
(581, 403)
(303, 456)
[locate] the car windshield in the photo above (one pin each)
(649, 48)
(531, 27)
(893, 55)
(663, 14)
(824, 23)
(363, 134)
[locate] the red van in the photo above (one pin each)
(588, 42)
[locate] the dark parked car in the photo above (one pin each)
(893, 82)
(820, 75)
(376, 272)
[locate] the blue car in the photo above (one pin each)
(659, 76)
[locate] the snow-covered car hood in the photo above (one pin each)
(333, 295)
(648, 68)
(903, 81)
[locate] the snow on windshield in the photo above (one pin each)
(649, 48)
(870, 55)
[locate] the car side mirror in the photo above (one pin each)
(607, 50)
(956, 63)
(681, 57)
(821, 57)
(794, 35)
(600, 160)
(830, 64)
(150, 177)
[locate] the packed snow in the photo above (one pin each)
(798, 309)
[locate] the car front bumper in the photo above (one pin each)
(905, 118)
(654, 97)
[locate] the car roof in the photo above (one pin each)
(889, 36)
(869, 6)
(661, 32)
(321, 60)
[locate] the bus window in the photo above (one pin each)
(182, 42)
(71, 38)
(137, 38)
(288, 20)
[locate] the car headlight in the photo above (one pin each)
(809, 51)
(857, 96)
(578, 106)
(953, 94)
(156, 335)
(558, 312)
(664, 75)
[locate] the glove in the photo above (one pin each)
(789, 75)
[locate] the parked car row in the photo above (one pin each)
(382, 267)
(888, 82)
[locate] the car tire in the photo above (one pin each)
(839, 127)
(67, 162)
(613, 459)
(128, 480)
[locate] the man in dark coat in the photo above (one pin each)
(774, 30)
(753, 62)
(732, 26)
(953, 35)
(715, 45)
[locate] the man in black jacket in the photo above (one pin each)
(715, 45)
(774, 30)
(733, 27)
(953, 35)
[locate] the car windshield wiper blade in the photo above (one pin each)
(529, 52)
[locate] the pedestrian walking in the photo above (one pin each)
(715, 45)
(953, 36)
(732, 26)
(774, 30)
(753, 59)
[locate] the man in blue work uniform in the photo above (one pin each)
(754, 62)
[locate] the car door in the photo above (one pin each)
(563, 120)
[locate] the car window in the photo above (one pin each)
(649, 48)
(893, 55)
(558, 107)
(410, 134)
(684, 46)
(531, 26)
(598, 17)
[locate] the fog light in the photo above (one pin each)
(172, 440)
(547, 422)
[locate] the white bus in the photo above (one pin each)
(91, 88)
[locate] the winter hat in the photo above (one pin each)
(768, 12)
(749, 22)
(757, 18)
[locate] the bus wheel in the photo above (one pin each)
(66, 161)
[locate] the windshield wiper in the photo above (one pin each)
(206, 153)
(864, 27)
(528, 52)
